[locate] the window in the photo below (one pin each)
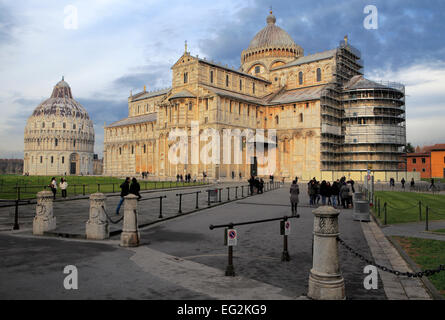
(318, 75)
(186, 77)
(443, 159)
(307, 104)
(53, 124)
(423, 160)
(52, 159)
(277, 120)
(41, 159)
(43, 125)
(227, 80)
(207, 104)
(230, 106)
(120, 151)
(423, 169)
(257, 69)
(300, 78)
(63, 160)
(414, 160)
(74, 142)
(211, 76)
(56, 142)
(190, 106)
(301, 117)
(64, 125)
(132, 149)
(74, 127)
(253, 88)
(241, 84)
(414, 170)
(239, 108)
(145, 149)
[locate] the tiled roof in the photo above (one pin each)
(297, 95)
(151, 94)
(182, 94)
(134, 120)
(309, 58)
(235, 95)
(359, 82)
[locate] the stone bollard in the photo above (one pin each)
(97, 227)
(44, 219)
(325, 279)
(130, 232)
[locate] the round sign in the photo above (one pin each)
(287, 224)
(232, 234)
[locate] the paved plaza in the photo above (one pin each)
(181, 258)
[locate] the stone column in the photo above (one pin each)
(97, 226)
(130, 232)
(325, 279)
(44, 219)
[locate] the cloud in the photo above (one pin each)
(7, 23)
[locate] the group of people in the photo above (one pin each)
(129, 186)
(256, 183)
(145, 174)
(335, 194)
(187, 178)
(63, 185)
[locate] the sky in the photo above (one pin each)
(118, 46)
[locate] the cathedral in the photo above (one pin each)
(324, 115)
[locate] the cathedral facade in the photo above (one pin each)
(318, 112)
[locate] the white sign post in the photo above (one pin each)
(232, 237)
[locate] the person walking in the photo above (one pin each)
(323, 192)
(53, 186)
(412, 183)
(63, 185)
(261, 186)
(251, 184)
(135, 188)
(294, 192)
(403, 183)
(344, 194)
(125, 191)
(335, 190)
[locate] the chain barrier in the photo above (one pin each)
(420, 274)
(435, 212)
(111, 220)
(403, 209)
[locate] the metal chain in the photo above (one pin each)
(109, 219)
(416, 205)
(420, 274)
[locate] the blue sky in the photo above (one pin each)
(121, 46)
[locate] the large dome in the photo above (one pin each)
(271, 35)
(59, 136)
(61, 103)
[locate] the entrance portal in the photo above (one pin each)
(74, 161)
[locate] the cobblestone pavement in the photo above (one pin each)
(72, 215)
(258, 253)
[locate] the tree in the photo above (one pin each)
(409, 148)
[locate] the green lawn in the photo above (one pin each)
(439, 231)
(77, 185)
(404, 206)
(427, 254)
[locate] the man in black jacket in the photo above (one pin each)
(135, 188)
(125, 191)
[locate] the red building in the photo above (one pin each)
(421, 160)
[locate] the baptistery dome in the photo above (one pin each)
(59, 136)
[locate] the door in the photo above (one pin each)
(254, 167)
(73, 168)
